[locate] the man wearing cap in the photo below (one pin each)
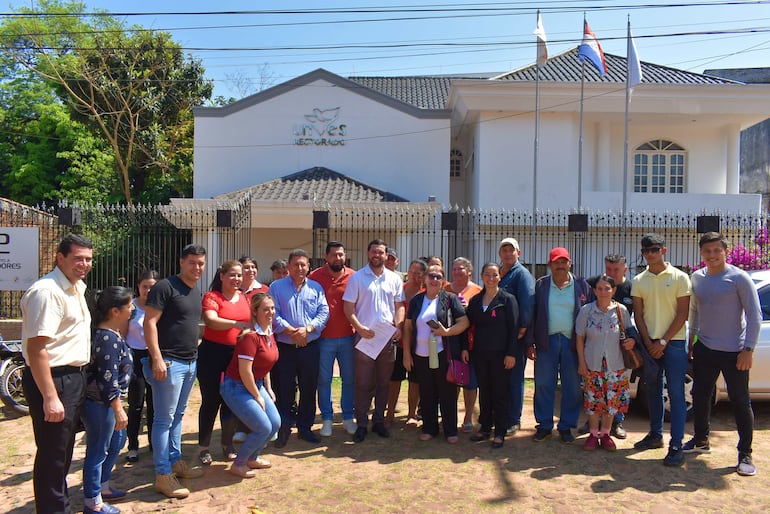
(517, 280)
(551, 344)
(661, 296)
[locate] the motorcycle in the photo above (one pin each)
(11, 367)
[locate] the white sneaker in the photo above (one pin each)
(746, 466)
(326, 428)
(239, 437)
(350, 426)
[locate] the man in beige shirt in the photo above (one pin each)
(56, 343)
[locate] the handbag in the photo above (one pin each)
(458, 372)
(631, 359)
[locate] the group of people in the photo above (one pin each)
(267, 353)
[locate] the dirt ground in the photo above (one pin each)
(402, 474)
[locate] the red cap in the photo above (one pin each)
(559, 253)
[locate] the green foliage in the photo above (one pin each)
(132, 88)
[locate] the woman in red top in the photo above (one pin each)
(225, 314)
(246, 387)
(250, 285)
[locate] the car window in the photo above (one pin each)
(764, 301)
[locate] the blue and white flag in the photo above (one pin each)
(591, 49)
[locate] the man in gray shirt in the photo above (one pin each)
(726, 317)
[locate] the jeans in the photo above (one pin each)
(340, 348)
(263, 423)
(54, 441)
(517, 386)
(560, 360)
(213, 359)
(170, 400)
(103, 444)
(706, 366)
(300, 364)
(674, 364)
(139, 392)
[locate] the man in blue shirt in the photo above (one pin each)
(301, 313)
(517, 280)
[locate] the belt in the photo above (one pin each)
(59, 371)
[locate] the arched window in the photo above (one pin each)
(455, 164)
(660, 166)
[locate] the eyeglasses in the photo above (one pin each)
(652, 249)
(435, 276)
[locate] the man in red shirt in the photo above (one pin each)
(336, 340)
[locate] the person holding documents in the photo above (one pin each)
(374, 304)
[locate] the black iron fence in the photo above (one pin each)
(130, 240)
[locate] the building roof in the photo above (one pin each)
(424, 92)
(565, 67)
(745, 75)
(316, 184)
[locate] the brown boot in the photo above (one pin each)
(183, 470)
(170, 486)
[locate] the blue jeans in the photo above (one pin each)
(340, 348)
(674, 364)
(559, 361)
(263, 423)
(517, 386)
(169, 398)
(103, 444)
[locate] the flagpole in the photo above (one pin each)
(580, 137)
(625, 143)
(537, 146)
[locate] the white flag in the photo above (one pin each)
(542, 47)
(634, 67)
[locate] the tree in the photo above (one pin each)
(45, 155)
(134, 87)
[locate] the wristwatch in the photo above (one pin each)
(310, 328)
(663, 342)
(747, 349)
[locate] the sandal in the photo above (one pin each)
(229, 453)
(467, 428)
(205, 457)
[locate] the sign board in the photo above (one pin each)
(19, 257)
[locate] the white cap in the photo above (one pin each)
(508, 241)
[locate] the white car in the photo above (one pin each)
(759, 377)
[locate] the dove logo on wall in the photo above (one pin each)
(321, 128)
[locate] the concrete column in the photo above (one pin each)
(733, 159)
(603, 158)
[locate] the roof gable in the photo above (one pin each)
(566, 67)
(336, 80)
(318, 184)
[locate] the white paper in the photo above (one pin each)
(383, 333)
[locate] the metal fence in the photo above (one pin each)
(130, 240)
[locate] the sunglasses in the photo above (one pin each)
(652, 249)
(435, 276)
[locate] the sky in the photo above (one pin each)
(252, 44)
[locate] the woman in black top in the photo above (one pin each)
(494, 317)
(434, 305)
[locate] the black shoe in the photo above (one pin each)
(380, 430)
(360, 435)
(498, 444)
(309, 436)
(480, 436)
(513, 429)
(674, 457)
(584, 429)
(649, 442)
(566, 436)
(283, 438)
(541, 435)
(618, 431)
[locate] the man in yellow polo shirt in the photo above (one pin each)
(661, 296)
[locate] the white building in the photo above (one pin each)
(322, 140)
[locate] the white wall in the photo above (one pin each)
(383, 147)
